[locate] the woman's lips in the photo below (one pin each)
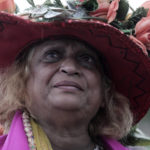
(68, 85)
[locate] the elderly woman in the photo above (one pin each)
(63, 85)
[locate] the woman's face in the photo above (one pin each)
(65, 76)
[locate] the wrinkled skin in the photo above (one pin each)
(65, 91)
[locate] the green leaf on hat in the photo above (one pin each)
(90, 5)
(48, 3)
(31, 2)
(128, 26)
(123, 10)
(136, 17)
(17, 9)
(72, 4)
(58, 3)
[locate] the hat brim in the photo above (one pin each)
(127, 66)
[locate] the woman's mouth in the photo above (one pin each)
(68, 85)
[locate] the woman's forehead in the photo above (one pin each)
(75, 45)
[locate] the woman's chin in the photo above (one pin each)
(67, 104)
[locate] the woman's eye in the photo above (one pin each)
(87, 60)
(52, 56)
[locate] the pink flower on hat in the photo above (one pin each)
(81, 0)
(146, 5)
(142, 31)
(106, 9)
(7, 5)
(112, 12)
(103, 6)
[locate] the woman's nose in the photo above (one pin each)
(70, 67)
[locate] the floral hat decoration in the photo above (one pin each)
(114, 12)
(122, 38)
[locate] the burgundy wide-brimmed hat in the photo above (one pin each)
(127, 66)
